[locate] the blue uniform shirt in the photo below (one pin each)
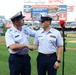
(30, 31)
(48, 41)
(14, 36)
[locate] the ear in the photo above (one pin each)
(49, 21)
(16, 22)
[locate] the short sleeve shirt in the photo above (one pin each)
(14, 36)
(48, 41)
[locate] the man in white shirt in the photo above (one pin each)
(17, 42)
(49, 42)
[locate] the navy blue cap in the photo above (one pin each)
(45, 17)
(17, 16)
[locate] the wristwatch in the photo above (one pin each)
(58, 61)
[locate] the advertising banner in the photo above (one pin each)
(27, 16)
(53, 12)
(63, 16)
(62, 12)
(65, 9)
(27, 8)
(34, 1)
(36, 13)
(8, 25)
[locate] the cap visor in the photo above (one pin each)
(23, 16)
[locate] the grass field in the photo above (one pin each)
(70, 60)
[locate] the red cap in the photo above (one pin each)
(62, 23)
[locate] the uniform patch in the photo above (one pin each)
(10, 30)
(52, 36)
(39, 36)
(16, 36)
(26, 32)
(16, 42)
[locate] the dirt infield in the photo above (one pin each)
(2, 39)
(70, 48)
(72, 41)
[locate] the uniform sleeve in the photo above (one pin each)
(36, 39)
(59, 39)
(32, 32)
(9, 39)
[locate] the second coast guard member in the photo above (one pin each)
(49, 43)
(17, 42)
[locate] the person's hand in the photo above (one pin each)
(30, 47)
(56, 65)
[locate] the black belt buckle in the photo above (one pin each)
(48, 55)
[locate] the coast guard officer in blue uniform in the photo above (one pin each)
(17, 42)
(49, 42)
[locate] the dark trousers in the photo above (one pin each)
(19, 65)
(46, 64)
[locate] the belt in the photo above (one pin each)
(18, 55)
(48, 55)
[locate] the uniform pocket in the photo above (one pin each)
(17, 40)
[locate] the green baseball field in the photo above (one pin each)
(70, 58)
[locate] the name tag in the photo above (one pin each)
(39, 36)
(16, 36)
(52, 36)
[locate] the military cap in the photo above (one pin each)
(45, 17)
(17, 16)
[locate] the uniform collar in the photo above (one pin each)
(50, 31)
(15, 30)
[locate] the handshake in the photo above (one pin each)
(31, 47)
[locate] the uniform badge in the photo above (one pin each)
(52, 36)
(26, 32)
(39, 36)
(16, 36)
(17, 42)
